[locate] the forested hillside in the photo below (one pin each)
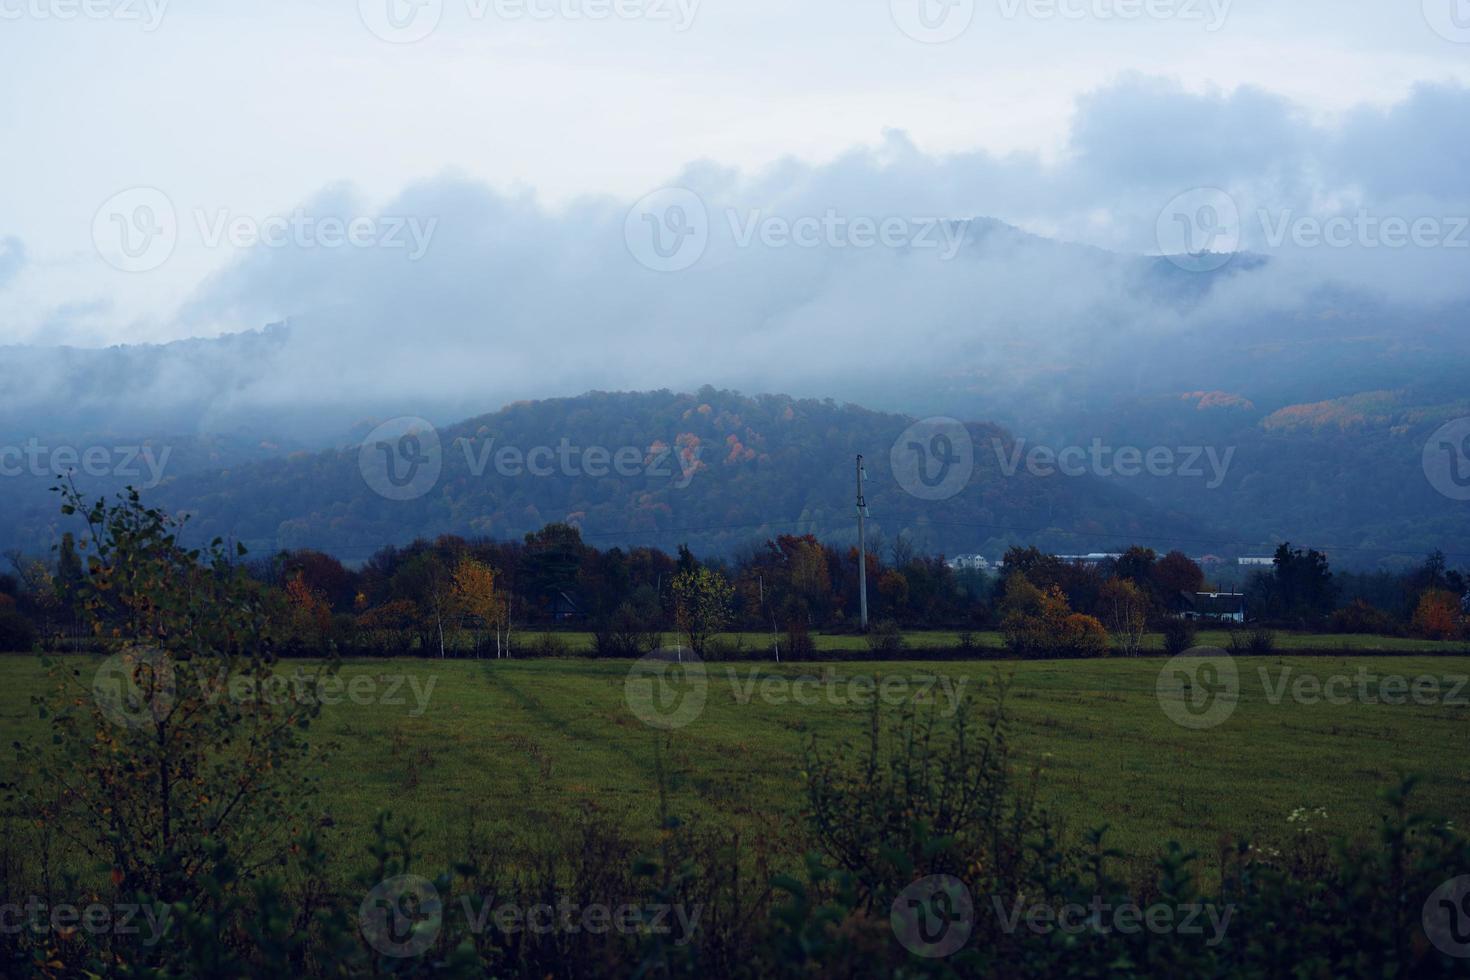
(715, 468)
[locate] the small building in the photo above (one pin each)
(564, 609)
(969, 563)
(1226, 607)
(1256, 561)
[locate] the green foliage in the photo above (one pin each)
(1300, 587)
(702, 600)
(1257, 642)
(920, 794)
(924, 797)
(630, 631)
(1362, 618)
(1179, 635)
(181, 770)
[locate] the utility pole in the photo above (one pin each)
(862, 514)
(775, 643)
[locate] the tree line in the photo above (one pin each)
(204, 817)
(481, 597)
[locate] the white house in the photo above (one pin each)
(1222, 606)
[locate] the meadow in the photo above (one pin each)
(759, 644)
(512, 747)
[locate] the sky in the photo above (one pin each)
(501, 138)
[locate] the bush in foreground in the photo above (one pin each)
(924, 826)
(17, 634)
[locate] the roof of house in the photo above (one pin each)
(1214, 603)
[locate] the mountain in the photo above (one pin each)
(715, 469)
(1323, 392)
(1365, 477)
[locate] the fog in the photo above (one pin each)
(886, 270)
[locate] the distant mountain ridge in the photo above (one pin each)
(716, 469)
(1323, 392)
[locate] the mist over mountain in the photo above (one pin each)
(464, 296)
(1080, 329)
(1160, 355)
(1197, 270)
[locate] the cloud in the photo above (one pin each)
(12, 259)
(511, 298)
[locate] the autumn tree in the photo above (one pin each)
(1177, 573)
(476, 595)
(1439, 616)
(427, 582)
(310, 616)
(811, 583)
(893, 590)
(1125, 608)
(701, 605)
(323, 573)
(1040, 623)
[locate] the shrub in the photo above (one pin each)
(928, 796)
(1042, 624)
(1439, 616)
(548, 645)
(17, 634)
(1179, 635)
(1257, 641)
(173, 791)
(723, 648)
(885, 639)
(1085, 636)
(1360, 617)
(799, 643)
(626, 633)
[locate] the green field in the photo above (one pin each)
(760, 643)
(519, 744)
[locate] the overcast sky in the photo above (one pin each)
(1075, 118)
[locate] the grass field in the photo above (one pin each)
(990, 640)
(519, 744)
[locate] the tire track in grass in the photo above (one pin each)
(593, 735)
